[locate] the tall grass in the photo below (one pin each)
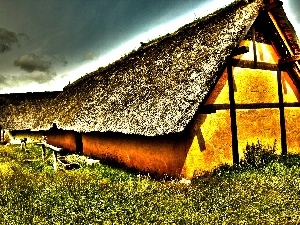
(32, 193)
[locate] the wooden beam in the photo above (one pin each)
(291, 59)
(43, 152)
(283, 37)
(280, 33)
(206, 109)
(273, 5)
(251, 65)
(55, 160)
(254, 46)
(235, 150)
(56, 149)
(281, 116)
(252, 106)
(240, 50)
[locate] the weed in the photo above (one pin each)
(258, 155)
(33, 193)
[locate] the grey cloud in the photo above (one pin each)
(7, 39)
(38, 68)
(23, 38)
(2, 79)
(64, 62)
(88, 56)
(37, 76)
(5, 82)
(31, 62)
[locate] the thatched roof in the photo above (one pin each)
(20, 111)
(157, 89)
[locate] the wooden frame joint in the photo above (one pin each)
(240, 50)
(207, 109)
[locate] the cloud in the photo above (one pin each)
(5, 82)
(31, 62)
(38, 69)
(88, 56)
(38, 76)
(63, 61)
(23, 38)
(7, 39)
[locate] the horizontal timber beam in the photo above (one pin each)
(273, 5)
(246, 106)
(240, 50)
(252, 65)
(207, 109)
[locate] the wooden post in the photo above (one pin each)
(43, 152)
(55, 160)
(281, 115)
(78, 140)
(235, 150)
(254, 47)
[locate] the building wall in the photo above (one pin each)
(292, 115)
(159, 155)
(209, 144)
(15, 137)
(211, 137)
(61, 138)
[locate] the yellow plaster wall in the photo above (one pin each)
(210, 143)
(159, 155)
(292, 118)
(289, 90)
(258, 124)
(292, 114)
(255, 86)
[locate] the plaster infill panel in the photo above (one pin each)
(255, 86)
(210, 143)
(261, 125)
(292, 116)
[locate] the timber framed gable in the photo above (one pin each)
(259, 89)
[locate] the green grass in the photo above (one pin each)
(32, 193)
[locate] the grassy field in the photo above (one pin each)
(32, 193)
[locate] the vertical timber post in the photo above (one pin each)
(43, 152)
(281, 114)
(55, 160)
(235, 150)
(78, 140)
(254, 46)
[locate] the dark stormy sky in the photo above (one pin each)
(45, 44)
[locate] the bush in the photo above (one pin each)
(258, 155)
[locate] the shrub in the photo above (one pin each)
(258, 155)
